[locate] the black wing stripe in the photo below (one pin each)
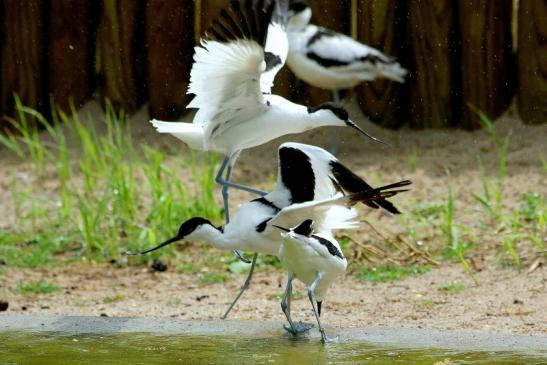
(354, 184)
(333, 250)
(268, 203)
(332, 62)
(325, 62)
(321, 33)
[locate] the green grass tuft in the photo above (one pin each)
(211, 278)
(113, 298)
(384, 274)
(36, 287)
(453, 287)
(296, 295)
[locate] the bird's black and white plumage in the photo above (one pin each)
(330, 60)
(309, 180)
(310, 183)
(311, 254)
(231, 78)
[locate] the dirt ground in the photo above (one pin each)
(505, 301)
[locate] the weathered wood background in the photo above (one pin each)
(459, 53)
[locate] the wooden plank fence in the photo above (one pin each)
(459, 53)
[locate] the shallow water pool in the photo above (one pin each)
(23, 347)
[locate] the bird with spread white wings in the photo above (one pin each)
(310, 181)
(231, 78)
(333, 61)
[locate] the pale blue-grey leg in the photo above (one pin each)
(243, 288)
(228, 164)
(311, 295)
(335, 136)
(297, 328)
(226, 194)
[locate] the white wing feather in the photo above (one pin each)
(328, 214)
(225, 79)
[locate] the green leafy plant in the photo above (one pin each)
(492, 197)
(543, 162)
(413, 159)
(452, 232)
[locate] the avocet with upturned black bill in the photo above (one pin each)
(333, 61)
(305, 174)
(231, 77)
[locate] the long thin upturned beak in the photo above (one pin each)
(281, 228)
(169, 241)
(356, 127)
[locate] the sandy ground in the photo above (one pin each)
(506, 301)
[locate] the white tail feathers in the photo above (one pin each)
(392, 71)
(339, 217)
(189, 133)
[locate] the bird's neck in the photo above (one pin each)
(300, 20)
(212, 235)
(289, 117)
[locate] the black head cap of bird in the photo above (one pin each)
(341, 113)
(185, 230)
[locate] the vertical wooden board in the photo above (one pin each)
(23, 51)
(69, 52)
(170, 41)
(532, 61)
(382, 25)
(488, 66)
(334, 15)
(434, 92)
(119, 53)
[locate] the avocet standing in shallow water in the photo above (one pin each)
(315, 258)
(333, 61)
(306, 174)
(231, 78)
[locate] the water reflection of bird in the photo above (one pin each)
(309, 179)
(232, 76)
(333, 61)
(311, 254)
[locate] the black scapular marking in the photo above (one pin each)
(297, 174)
